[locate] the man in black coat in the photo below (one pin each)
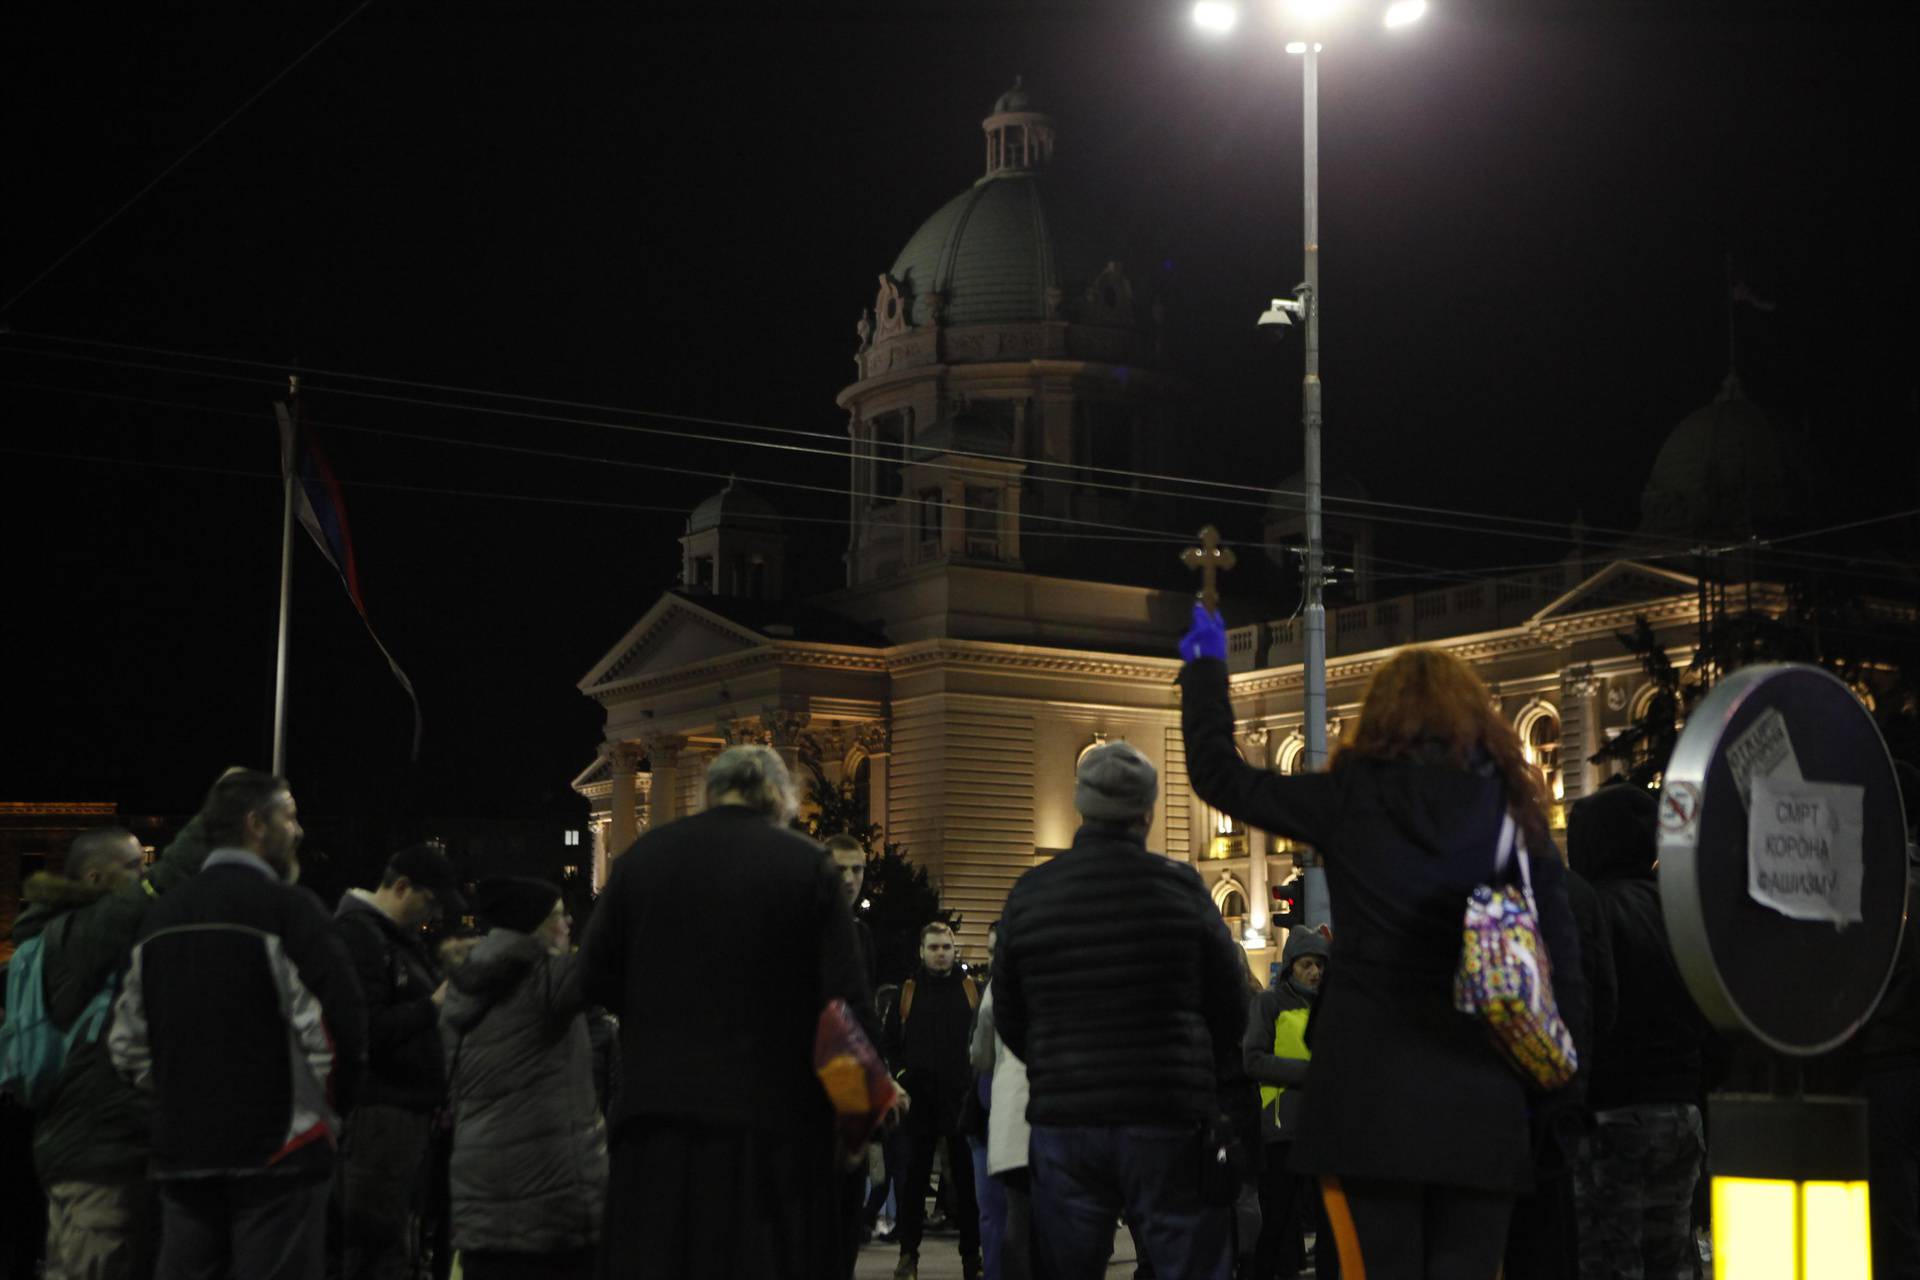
(1117, 984)
(925, 1039)
(384, 1157)
(723, 1148)
(1636, 1191)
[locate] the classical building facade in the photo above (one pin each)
(1009, 380)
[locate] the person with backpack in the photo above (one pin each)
(90, 1133)
(925, 1039)
(383, 1156)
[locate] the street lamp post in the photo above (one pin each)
(1221, 16)
(1314, 624)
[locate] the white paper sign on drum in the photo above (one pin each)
(1804, 848)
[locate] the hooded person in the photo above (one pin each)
(528, 1172)
(1276, 1054)
(1636, 1192)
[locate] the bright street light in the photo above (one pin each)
(1310, 17)
(1402, 12)
(1216, 16)
(1312, 10)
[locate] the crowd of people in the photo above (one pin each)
(225, 1080)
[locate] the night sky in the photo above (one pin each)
(1527, 211)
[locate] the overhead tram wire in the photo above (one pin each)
(182, 158)
(1447, 578)
(606, 504)
(1558, 529)
(1687, 550)
(1077, 472)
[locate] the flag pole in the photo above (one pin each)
(290, 414)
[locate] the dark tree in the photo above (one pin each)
(899, 897)
(1873, 648)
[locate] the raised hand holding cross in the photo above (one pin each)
(1209, 558)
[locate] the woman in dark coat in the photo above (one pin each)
(529, 1166)
(1413, 1121)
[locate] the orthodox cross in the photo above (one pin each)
(1209, 558)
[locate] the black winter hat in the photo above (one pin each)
(519, 903)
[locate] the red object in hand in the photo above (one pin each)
(854, 1076)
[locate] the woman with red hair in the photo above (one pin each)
(1414, 1123)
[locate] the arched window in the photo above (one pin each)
(1292, 754)
(1539, 730)
(1231, 897)
(859, 772)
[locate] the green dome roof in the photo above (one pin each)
(995, 250)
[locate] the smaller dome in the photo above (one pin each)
(736, 506)
(1014, 99)
(1727, 470)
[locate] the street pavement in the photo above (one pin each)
(940, 1259)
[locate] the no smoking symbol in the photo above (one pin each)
(1679, 806)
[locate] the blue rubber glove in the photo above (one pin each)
(1207, 638)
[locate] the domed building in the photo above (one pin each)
(1009, 375)
(1007, 348)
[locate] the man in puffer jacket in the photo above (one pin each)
(1276, 1055)
(1115, 981)
(529, 1169)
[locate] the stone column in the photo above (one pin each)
(663, 753)
(602, 861)
(1579, 729)
(623, 826)
(1258, 842)
(784, 725)
(877, 741)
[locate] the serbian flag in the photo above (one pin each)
(322, 510)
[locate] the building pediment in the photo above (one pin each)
(676, 632)
(1622, 583)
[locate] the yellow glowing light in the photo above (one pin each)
(1773, 1229)
(1753, 1222)
(1834, 1246)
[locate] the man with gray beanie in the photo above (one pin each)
(1117, 983)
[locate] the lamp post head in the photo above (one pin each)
(1404, 12)
(1216, 16)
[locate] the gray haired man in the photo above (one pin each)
(716, 943)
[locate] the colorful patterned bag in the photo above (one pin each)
(1505, 978)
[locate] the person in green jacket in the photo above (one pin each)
(90, 1139)
(1275, 1053)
